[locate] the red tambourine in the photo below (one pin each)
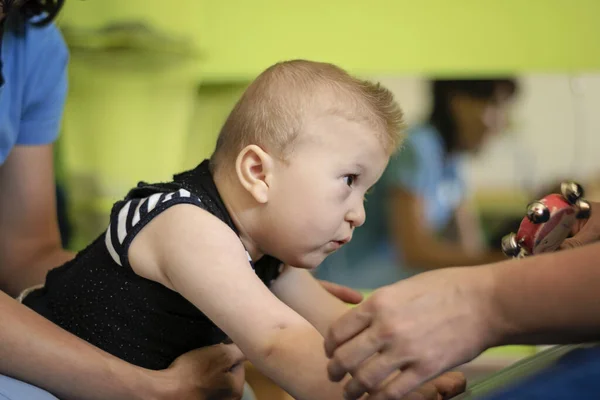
(548, 222)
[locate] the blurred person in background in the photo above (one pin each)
(32, 95)
(420, 216)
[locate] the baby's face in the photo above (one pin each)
(317, 197)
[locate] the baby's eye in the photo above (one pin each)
(350, 179)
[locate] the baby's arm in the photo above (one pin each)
(192, 252)
(302, 292)
(298, 289)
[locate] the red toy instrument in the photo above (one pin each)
(548, 222)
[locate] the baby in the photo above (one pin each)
(224, 250)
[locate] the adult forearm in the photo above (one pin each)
(547, 299)
(34, 350)
(29, 269)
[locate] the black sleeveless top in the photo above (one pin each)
(99, 298)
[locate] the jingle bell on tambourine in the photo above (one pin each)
(548, 222)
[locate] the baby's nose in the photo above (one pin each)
(357, 216)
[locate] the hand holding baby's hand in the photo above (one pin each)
(449, 384)
(443, 387)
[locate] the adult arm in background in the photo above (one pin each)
(407, 181)
(440, 319)
(420, 244)
(30, 241)
(31, 348)
(470, 232)
(36, 351)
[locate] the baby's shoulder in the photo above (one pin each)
(176, 208)
(144, 205)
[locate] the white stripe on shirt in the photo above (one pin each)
(109, 246)
(125, 212)
(122, 228)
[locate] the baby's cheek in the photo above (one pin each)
(316, 226)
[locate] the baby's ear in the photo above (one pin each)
(254, 169)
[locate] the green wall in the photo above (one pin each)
(239, 38)
(135, 112)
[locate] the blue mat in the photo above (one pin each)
(575, 376)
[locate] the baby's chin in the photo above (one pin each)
(305, 262)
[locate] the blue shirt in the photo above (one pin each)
(34, 66)
(421, 167)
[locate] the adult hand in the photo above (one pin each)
(344, 293)
(215, 372)
(421, 326)
(443, 387)
(585, 231)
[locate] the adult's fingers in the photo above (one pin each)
(233, 356)
(346, 327)
(344, 293)
(374, 374)
(236, 380)
(407, 381)
(584, 231)
(354, 390)
(353, 353)
(582, 238)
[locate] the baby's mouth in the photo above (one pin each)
(343, 241)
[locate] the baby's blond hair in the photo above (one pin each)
(271, 110)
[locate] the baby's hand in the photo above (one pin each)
(449, 384)
(344, 293)
(443, 387)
